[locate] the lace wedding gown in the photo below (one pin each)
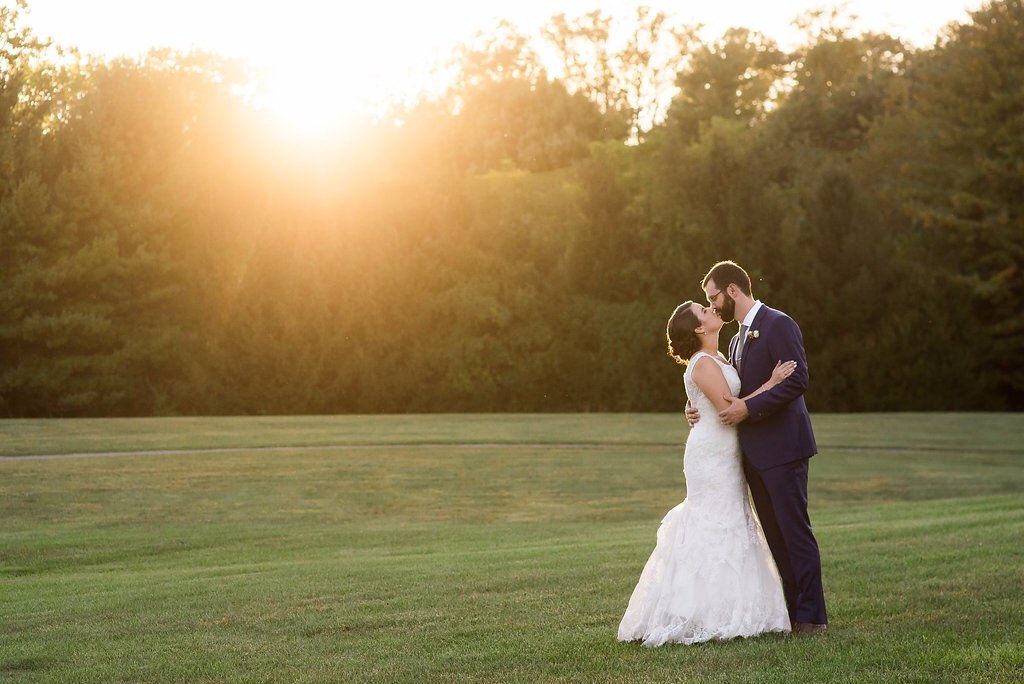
(711, 574)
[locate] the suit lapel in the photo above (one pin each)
(754, 325)
(732, 350)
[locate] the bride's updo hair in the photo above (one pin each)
(683, 342)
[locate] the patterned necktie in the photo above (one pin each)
(740, 345)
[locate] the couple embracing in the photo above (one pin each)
(719, 571)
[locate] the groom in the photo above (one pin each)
(775, 436)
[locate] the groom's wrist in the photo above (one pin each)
(754, 408)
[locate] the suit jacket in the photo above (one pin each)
(778, 430)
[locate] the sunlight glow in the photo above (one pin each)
(308, 102)
(323, 61)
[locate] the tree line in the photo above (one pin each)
(517, 243)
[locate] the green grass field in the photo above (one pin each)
(480, 548)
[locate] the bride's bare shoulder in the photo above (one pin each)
(705, 365)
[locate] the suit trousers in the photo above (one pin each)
(780, 497)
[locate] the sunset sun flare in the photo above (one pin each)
(306, 101)
(320, 62)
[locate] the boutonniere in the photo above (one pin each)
(752, 335)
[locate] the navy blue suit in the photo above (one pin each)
(777, 443)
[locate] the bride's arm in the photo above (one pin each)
(781, 372)
(709, 377)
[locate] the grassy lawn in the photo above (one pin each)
(481, 548)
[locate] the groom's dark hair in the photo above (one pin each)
(726, 273)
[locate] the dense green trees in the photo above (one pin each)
(951, 161)
(165, 249)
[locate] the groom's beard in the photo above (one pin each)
(728, 310)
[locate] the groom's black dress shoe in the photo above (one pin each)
(808, 628)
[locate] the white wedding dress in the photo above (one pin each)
(711, 574)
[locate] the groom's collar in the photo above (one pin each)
(748, 320)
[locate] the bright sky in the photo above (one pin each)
(384, 48)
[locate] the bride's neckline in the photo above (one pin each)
(719, 359)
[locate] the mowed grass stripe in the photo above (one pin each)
(399, 486)
(996, 514)
(466, 445)
(937, 431)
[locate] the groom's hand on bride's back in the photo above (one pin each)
(692, 415)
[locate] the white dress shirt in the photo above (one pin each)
(749, 318)
(745, 328)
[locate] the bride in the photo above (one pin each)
(711, 574)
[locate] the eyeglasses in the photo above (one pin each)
(712, 298)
